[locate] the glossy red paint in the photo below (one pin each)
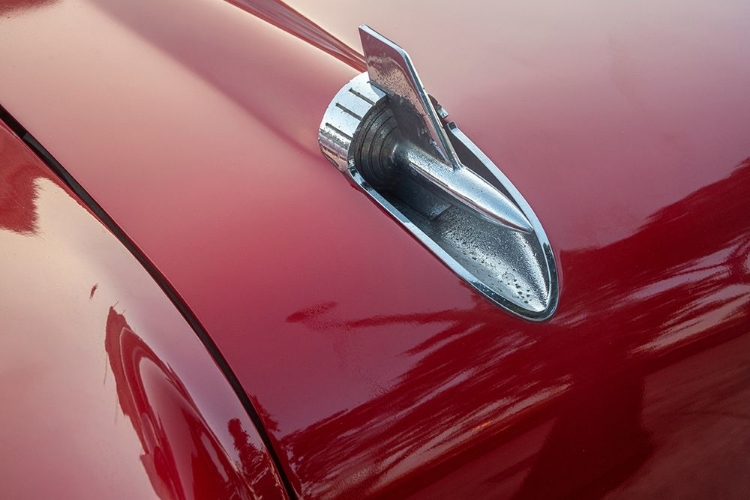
(376, 370)
(106, 391)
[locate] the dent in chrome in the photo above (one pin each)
(393, 141)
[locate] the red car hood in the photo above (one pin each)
(194, 124)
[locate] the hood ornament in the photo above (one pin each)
(392, 140)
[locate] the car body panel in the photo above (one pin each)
(376, 370)
(106, 390)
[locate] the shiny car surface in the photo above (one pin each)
(263, 329)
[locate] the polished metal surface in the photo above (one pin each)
(390, 68)
(343, 118)
(425, 149)
(392, 140)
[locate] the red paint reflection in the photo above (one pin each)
(19, 176)
(11, 6)
(61, 269)
(182, 456)
(473, 389)
(17, 190)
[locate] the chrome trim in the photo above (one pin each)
(393, 141)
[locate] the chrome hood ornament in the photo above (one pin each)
(393, 141)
